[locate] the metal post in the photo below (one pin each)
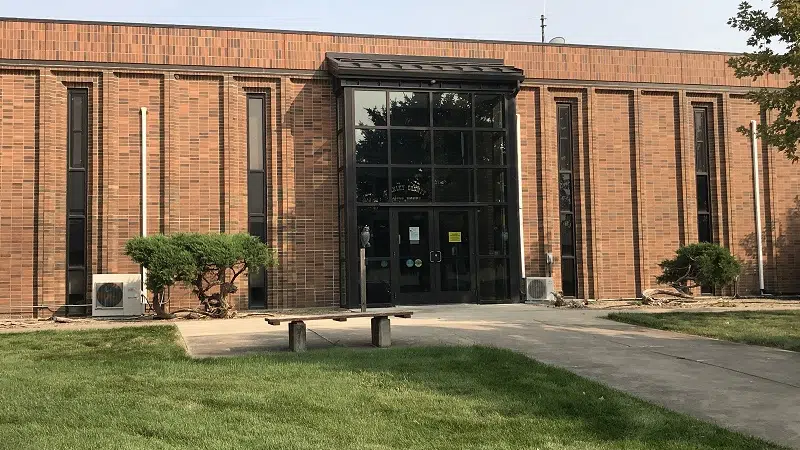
(144, 190)
(362, 257)
(543, 27)
(757, 198)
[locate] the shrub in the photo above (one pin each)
(207, 263)
(166, 264)
(703, 264)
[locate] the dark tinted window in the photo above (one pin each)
(452, 147)
(411, 185)
(565, 191)
(378, 221)
(372, 146)
(372, 184)
(409, 109)
(489, 111)
(493, 231)
(490, 148)
(453, 185)
(491, 185)
(411, 147)
(370, 108)
(451, 109)
(567, 235)
(255, 193)
(493, 281)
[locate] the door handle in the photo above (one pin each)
(432, 256)
(438, 257)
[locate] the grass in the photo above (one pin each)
(133, 388)
(780, 329)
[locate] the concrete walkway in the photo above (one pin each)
(755, 390)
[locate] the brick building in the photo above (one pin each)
(620, 156)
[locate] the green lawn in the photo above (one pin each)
(779, 329)
(135, 388)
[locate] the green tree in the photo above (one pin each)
(166, 264)
(695, 265)
(209, 264)
(768, 31)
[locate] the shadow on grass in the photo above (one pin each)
(438, 397)
(779, 329)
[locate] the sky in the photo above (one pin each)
(679, 24)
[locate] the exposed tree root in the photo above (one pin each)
(648, 296)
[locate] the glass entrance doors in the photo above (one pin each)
(434, 256)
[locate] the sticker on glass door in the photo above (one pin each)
(413, 235)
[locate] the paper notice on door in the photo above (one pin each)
(413, 235)
(454, 236)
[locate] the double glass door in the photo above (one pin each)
(434, 256)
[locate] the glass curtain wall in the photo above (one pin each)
(432, 149)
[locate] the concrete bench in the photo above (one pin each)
(381, 327)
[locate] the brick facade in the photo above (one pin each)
(633, 161)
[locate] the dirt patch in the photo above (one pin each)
(701, 303)
(81, 323)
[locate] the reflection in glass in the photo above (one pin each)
(372, 184)
(702, 193)
(411, 147)
(491, 185)
(452, 147)
(255, 132)
(489, 111)
(379, 284)
(370, 108)
(493, 231)
(567, 235)
(451, 109)
(565, 136)
(453, 185)
(565, 191)
(378, 221)
(409, 109)
(411, 185)
(493, 279)
(569, 279)
(490, 147)
(371, 147)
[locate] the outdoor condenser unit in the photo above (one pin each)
(539, 289)
(117, 295)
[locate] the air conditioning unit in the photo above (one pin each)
(117, 295)
(539, 289)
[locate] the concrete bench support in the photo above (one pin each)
(381, 332)
(297, 336)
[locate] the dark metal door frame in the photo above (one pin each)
(435, 295)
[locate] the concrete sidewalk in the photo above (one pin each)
(755, 390)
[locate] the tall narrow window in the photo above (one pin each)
(702, 172)
(77, 150)
(569, 269)
(256, 191)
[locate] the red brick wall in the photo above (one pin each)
(633, 156)
(196, 46)
(616, 227)
(661, 188)
(18, 145)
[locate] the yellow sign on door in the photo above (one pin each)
(454, 236)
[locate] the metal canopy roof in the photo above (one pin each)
(360, 65)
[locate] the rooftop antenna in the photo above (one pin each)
(544, 11)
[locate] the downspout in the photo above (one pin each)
(519, 203)
(144, 193)
(757, 197)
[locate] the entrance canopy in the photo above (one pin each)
(429, 68)
(427, 161)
